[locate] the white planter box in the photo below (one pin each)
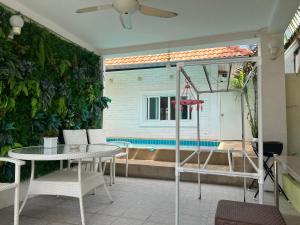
(50, 142)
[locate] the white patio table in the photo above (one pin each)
(66, 182)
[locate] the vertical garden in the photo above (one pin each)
(47, 84)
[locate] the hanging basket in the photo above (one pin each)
(189, 99)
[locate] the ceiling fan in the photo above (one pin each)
(126, 8)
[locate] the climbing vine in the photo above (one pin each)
(46, 84)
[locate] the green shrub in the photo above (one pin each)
(46, 84)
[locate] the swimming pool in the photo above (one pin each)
(153, 144)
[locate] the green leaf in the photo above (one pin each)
(11, 103)
(41, 53)
(61, 107)
(63, 66)
(35, 106)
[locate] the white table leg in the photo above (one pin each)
(111, 172)
(81, 195)
(107, 191)
(31, 178)
(17, 195)
(81, 210)
(104, 184)
(114, 168)
(126, 172)
(94, 169)
(276, 192)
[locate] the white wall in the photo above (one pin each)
(124, 118)
(293, 113)
(273, 92)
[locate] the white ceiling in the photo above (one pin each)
(197, 18)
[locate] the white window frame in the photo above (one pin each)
(158, 122)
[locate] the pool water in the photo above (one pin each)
(165, 143)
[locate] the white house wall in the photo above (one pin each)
(124, 118)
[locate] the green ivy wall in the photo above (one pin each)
(46, 85)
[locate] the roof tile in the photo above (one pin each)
(209, 53)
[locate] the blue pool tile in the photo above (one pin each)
(201, 143)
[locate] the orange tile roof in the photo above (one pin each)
(199, 54)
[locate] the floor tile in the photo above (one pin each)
(125, 221)
(138, 202)
(101, 220)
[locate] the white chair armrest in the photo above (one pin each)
(11, 160)
(127, 144)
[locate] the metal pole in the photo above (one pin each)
(243, 143)
(207, 78)
(222, 61)
(198, 147)
(260, 137)
(189, 79)
(177, 115)
(276, 183)
(219, 91)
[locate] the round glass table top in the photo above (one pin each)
(64, 152)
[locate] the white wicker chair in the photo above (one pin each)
(98, 136)
(15, 185)
(75, 137)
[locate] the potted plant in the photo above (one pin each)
(52, 131)
(50, 139)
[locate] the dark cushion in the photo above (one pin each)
(240, 213)
(270, 148)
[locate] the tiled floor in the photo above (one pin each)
(137, 202)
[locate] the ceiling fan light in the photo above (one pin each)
(17, 23)
(126, 6)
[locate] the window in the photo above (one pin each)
(153, 107)
(161, 108)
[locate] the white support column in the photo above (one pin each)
(271, 98)
(260, 137)
(177, 115)
(273, 90)
(243, 142)
(198, 147)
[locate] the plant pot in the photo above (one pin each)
(50, 142)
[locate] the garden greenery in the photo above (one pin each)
(47, 84)
(239, 81)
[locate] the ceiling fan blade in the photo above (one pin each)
(94, 8)
(126, 21)
(149, 11)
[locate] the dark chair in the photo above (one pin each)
(240, 213)
(270, 149)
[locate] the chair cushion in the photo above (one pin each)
(240, 213)
(272, 147)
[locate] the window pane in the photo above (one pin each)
(164, 111)
(153, 112)
(172, 108)
(184, 112)
(147, 109)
